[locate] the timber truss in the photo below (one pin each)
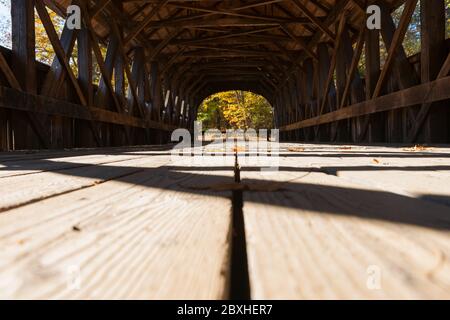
(158, 59)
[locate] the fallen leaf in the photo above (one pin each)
(417, 148)
(375, 161)
(296, 149)
(345, 148)
(238, 149)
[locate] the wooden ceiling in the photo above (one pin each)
(254, 42)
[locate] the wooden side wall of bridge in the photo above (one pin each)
(405, 100)
(164, 57)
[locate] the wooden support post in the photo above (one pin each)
(177, 106)
(24, 67)
(62, 128)
(302, 102)
(343, 56)
(83, 134)
(137, 77)
(118, 137)
(308, 65)
(23, 44)
(377, 122)
(401, 68)
(5, 115)
(426, 93)
(103, 96)
(5, 130)
(324, 66)
(156, 90)
(56, 76)
(433, 54)
(297, 105)
(85, 65)
(292, 105)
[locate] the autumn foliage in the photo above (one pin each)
(237, 110)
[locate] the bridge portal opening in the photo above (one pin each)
(236, 109)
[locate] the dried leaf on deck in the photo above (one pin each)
(296, 149)
(417, 148)
(238, 149)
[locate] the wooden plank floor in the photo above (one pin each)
(334, 222)
(133, 228)
(359, 222)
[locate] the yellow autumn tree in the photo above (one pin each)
(44, 49)
(236, 109)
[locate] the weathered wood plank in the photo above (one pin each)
(28, 188)
(51, 154)
(328, 236)
(144, 236)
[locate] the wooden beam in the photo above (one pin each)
(85, 66)
(331, 18)
(376, 122)
(147, 20)
(299, 41)
(59, 51)
(99, 57)
(18, 100)
(332, 65)
(425, 93)
(314, 20)
(221, 22)
(433, 53)
(354, 65)
(155, 86)
(8, 73)
(396, 42)
(56, 75)
(24, 67)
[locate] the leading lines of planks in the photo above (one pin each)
(128, 225)
(350, 223)
(332, 222)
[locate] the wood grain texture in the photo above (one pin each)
(327, 235)
(328, 225)
(147, 235)
(16, 164)
(24, 189)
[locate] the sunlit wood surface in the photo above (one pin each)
(334, 222)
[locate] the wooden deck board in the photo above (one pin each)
(421, 174)
(37, 163)
(327, 235)
(23, 189)
(147, 235)
(133, 224)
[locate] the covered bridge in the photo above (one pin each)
(108, 219)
